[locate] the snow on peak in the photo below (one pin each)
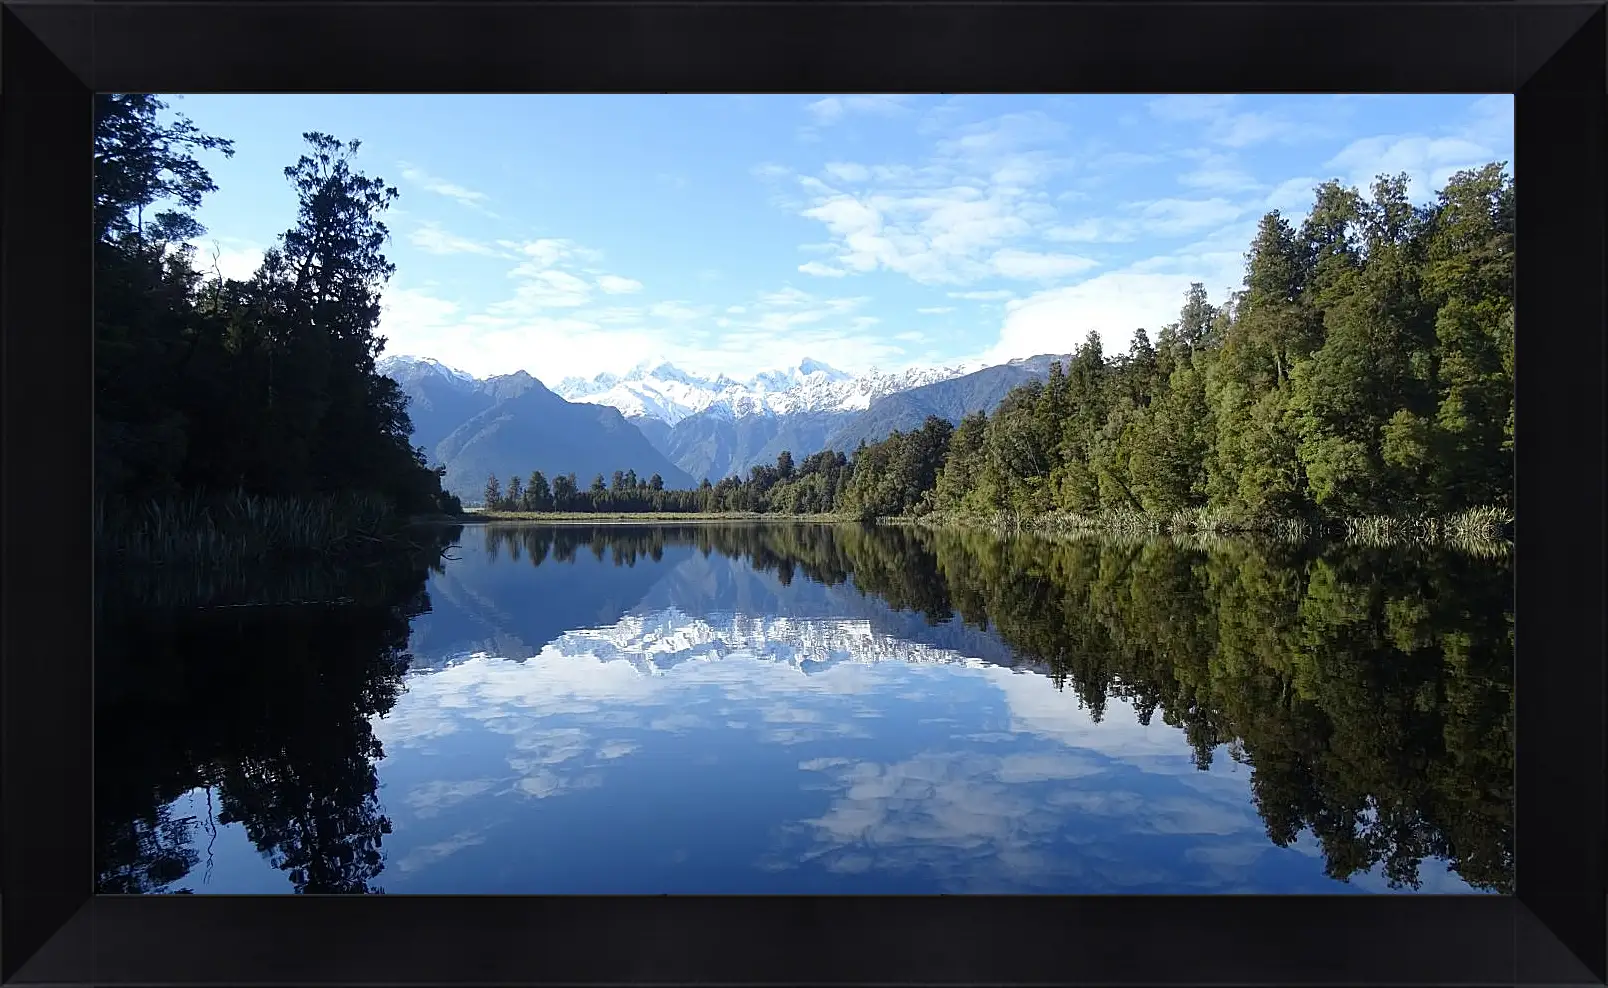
(417, 366)
(658, 389)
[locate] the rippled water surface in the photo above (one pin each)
(790, 708)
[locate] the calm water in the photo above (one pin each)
(790, 708)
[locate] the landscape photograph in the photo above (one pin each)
(804, 494)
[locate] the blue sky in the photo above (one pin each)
(578, 234)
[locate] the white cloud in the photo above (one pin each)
(1028, 265)
(1221, 125)
(821, 270)
(834, 108)
(1093, 231)
(616, 285)
(1428, 161)
(936, 310)
(930, 236)
(542, 288)
(1147, 294)
(992, 295)
(1489, 121)
(847, 171)
(432, 239)
(676, 311)
(1292, 198)
(1184, 107)
(1218, 173)
(442, 187)
(234, 259)
(1173, 217)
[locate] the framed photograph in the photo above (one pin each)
(779, 492)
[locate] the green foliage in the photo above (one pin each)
(264, 386)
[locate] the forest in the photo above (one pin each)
(239, 419)
(1365, 369)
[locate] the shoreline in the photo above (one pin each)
(1478, 528)
(471, 517)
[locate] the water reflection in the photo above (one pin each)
(791, 708)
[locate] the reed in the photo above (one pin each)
(1480, 531)
(213, 532)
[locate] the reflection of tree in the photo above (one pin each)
(271, 712)
(147, 852)
(1370, 691)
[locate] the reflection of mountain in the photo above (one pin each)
(500, 604)
(661, 640)
(503, 604)
(715, 586)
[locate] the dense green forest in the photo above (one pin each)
(227, 406)
(1365, 369)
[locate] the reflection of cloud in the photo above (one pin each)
(1046, 820)
(430, 798)
(428, 854)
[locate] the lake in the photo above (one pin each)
(791, 708)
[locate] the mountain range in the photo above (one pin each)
(657, 418)
(511, 424)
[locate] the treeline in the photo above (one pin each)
(812, 486)
(1365, 369)
(209, 385)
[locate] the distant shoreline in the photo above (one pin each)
(1481, 526)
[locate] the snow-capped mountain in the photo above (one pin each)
(404, 368)
(661, 391)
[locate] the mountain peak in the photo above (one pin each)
(810, 365)
(405, 363)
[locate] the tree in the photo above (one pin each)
(141, 161)
(537, 495)
(656, 482)
(515, 498)
(493, 493)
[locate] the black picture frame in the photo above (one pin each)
(55, 54)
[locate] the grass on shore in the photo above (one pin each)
(1482, 530)
(207, 550)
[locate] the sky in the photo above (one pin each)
(572, 235)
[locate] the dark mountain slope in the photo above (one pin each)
(981, 391)
(527, 427)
